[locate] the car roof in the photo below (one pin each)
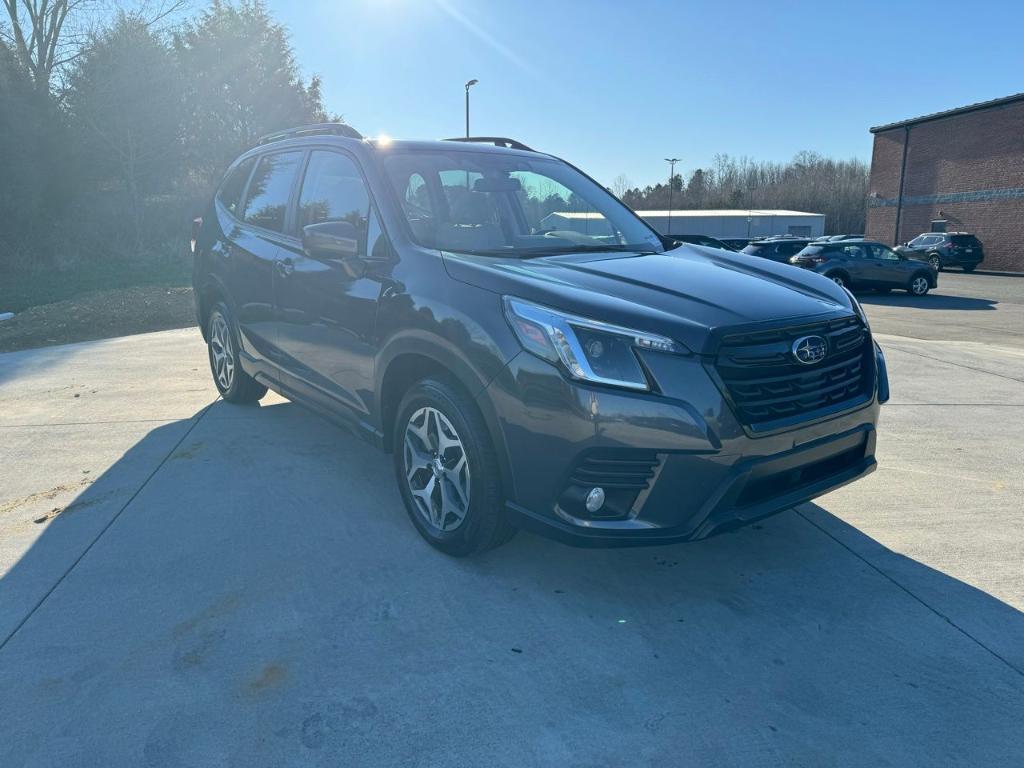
(380, 145)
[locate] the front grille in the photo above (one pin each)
(768, 387)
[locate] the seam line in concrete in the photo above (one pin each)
(87, 423)
(891, 404)
(959, 365)
(893, 581)
(195, 422)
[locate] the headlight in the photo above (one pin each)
(858, 309)
(589, 349)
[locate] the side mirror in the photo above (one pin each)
(331, 240)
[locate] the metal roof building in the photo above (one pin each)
(713, 222)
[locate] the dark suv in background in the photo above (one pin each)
(596, 383)
(945, 249)
(866, 264)
(780, 249)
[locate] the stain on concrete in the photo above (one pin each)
(188, 453)
(220, 607)
(271, 676)
(13, 504)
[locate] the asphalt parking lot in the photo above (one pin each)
(186, 582)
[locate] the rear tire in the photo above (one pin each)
(839, 279)
(969, 267)
(919, 285)
(234, 384)
(447, 470)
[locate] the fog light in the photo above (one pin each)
(595, 499)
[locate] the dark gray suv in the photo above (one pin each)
(867, 264)
(531, 352)
(945, 249)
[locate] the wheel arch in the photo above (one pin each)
(414, 358)
(210, 293)
(840, 272)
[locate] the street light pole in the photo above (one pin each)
(468, 86)
(671, 178)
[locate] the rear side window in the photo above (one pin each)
(968, 240)
(333, 190)
(789, 249)
(230, 192)
(267, 200)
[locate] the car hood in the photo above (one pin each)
(690, 293)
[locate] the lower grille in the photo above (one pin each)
(622, 474)
(609, 471)
(768, 387)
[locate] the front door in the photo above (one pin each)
(328, 306)
(254, 250)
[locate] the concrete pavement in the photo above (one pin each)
(215, 585)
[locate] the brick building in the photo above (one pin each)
(964, 167)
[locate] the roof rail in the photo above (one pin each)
(498, 141)
(317, 129)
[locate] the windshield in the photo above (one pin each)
(498, 204)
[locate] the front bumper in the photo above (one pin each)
(707, 473)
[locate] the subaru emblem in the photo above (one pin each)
(810, 349)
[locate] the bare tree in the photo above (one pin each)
(620, 185)
(47, 35)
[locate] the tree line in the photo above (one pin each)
(808, 182)
(117, 125)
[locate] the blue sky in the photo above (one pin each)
(615, 87)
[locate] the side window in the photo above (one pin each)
(417, 196)
(853, 251)
(334, 190)
(267, 200)
(230, 192)
(881, 252)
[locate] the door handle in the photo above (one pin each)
(285, 267)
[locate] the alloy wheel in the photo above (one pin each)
(838, 280)
(221, 352)
(919, 286)
(936, 263)
(436, 469)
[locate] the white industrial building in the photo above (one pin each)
(714, 223)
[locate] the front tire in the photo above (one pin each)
(234, 384)
(936, 262)
(447, 471)
(919, 285)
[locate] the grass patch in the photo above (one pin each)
(20, 290)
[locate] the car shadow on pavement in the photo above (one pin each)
(261, 598)
(930, 301)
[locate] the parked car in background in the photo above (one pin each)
(597, 388)
(779, 249)
(704, 240)
(737, 243)
(867, 264)
(945, 249)
(835, 238)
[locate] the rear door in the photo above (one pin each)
(856, 263)
(255, 249)
(886, 268)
